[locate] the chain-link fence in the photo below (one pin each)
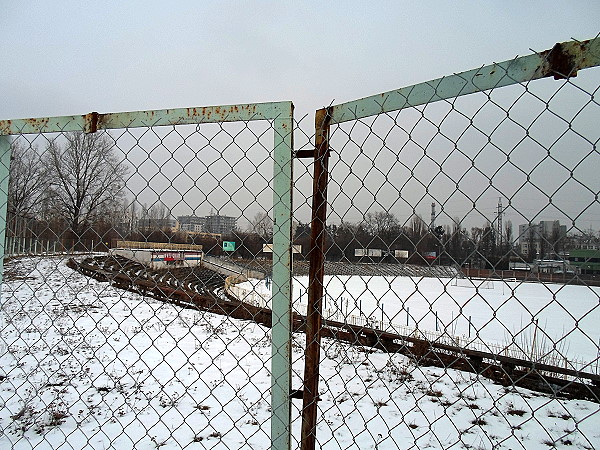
(458, 300)
(444, 291)
(123, 322)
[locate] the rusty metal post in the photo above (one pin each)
(316, 274)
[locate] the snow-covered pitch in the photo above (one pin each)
(85, 365)
(551, 322)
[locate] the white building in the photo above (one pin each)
(535, 239)
(160, 255)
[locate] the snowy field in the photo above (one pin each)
(85, 365)
(539, 319)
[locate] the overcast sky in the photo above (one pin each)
(67, 58)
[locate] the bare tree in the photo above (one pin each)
(262, 224)
(87, 178)
(381, 223)
(28, 179)
(508, 236)
(131, 214)
(159, 212)
(417, 228)
(26, 187)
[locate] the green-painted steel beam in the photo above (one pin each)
(562, 61)
(281, 342)
(281, 113)
(5, 153)
(180, 116)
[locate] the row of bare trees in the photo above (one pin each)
(70, 186)
(75, 185)
(452, 244)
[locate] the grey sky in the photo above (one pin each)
(66, 58)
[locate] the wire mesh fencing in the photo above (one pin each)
(457, 303)
(437, 288)
(124, 323)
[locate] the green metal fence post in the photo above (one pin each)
(282, 284)
(4, 176)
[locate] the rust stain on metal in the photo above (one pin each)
(37, 122)
(564, 59)
(561, 63)
(219, 111)
(316, 276)
(6, 126)
(100, 120)
(90, 124)
(322, 121)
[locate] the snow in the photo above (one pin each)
(564, 318)
(83, 364)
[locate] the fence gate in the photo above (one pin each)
(418, 333)
(112, 334)
(445, 290)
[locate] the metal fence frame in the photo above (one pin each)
(561, 62)
(281, 114)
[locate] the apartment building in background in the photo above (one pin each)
(542, 239)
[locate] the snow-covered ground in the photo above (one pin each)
(540, 319)
(83, 364)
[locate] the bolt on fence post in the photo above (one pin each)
(5, 154)
(281, 362)
(315, 277)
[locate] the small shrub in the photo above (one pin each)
(558, 415)
(480, 421)
(379, 403)
(57, 417)
(434, 393)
